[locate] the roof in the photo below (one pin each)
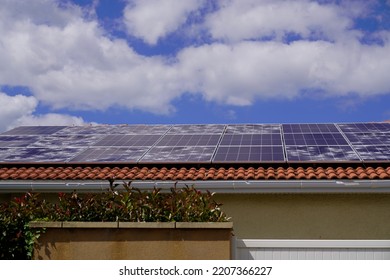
(201, 173)
(149, 173)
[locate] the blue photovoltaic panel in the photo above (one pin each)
(253, 143)
(67, 141)
(110, 154)
(182, 140)
(242, 154)
(251, 139)
(87, 129)
(197, 129)
(5, 152)
(321, 154)
(127, 140)
(369, 139)
(253, 129)
(178, 154)
(374, 153)
(42, 154)
(34, 130)
(140, 129)
(317, 139)
(17, 140)
(365, 127)
(309, 128)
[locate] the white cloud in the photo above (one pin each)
(251, 19)
(68, 61)
(19, 110)
(241, 73)
(154, 19)
(76, 66)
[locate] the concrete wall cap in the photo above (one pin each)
(90, 224)
(146, 225)
(44, 224)
(205, 225)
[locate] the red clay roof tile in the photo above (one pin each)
(193, 173)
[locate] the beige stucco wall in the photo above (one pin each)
(188, 243)
(308, 216)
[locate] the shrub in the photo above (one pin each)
(130, 205)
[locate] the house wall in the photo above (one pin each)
(134, 241)
(308, 216)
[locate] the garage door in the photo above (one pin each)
(259, 249)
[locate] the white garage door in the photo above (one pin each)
(259, 249)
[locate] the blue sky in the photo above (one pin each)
(194, 61)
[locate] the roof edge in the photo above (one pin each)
(222, 187)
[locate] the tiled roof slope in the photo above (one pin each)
(193, 173)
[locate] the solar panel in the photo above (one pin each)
(194, 154)
(66, 141)
(87, 129)
(182, 140)
(321, 154)
(245, 143)
(243, 154)
(253, 129)
(197, 129)
(42, 154)
(370, 139)
(309, 128)
(110, 154)
(17, 140)
(251, 139)
(33, 130)
(5, 152)
(128, 140)
(365, 127)
(374, 153)
(318, 139)
(140, 129)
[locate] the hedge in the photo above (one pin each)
(131, 205)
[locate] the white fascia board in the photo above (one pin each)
(310, 243)
(235, 187)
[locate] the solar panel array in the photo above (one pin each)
(209, 143)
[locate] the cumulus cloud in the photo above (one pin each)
(151, 20)
(241, 73)
(19, 110)
(72, 64)
(275, 19)
(68, 60)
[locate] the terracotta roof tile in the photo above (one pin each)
(193, 173)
